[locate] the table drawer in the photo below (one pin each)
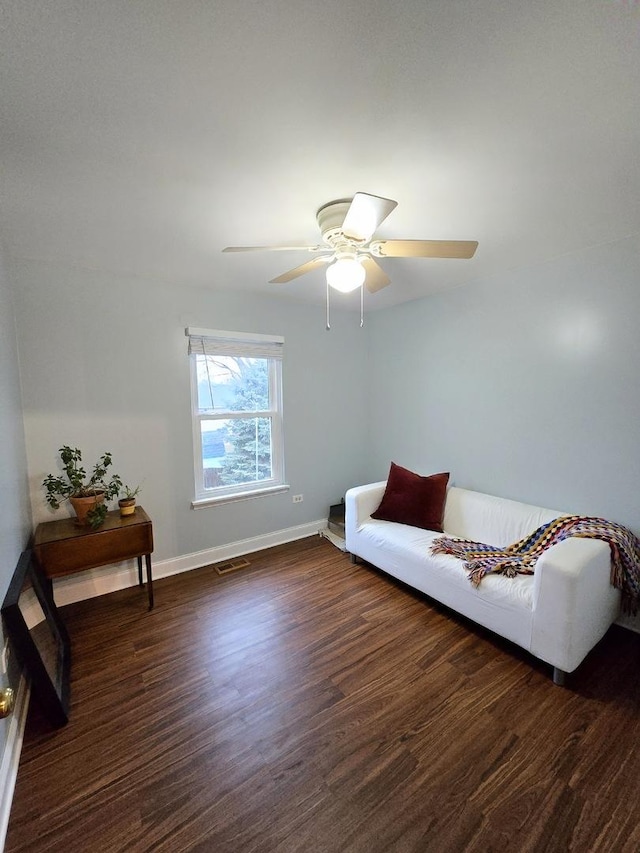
(67, 556)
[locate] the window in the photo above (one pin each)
(236, 402)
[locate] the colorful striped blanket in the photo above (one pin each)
(520, 558)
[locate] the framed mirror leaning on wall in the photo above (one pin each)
(39, 638)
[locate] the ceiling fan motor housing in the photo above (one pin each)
(330, 218)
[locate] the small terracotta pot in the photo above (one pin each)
(127, 506)
(83, 506)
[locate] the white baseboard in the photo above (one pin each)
(11, 756)
(111, 578)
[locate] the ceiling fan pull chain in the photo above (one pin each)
(362, 306)
(328, 317)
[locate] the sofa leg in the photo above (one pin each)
(559, 676)
(354, 559)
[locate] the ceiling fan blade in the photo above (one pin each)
(376, 277)
(274, 248)
(365, 213)
(301, 270)
(463, 249)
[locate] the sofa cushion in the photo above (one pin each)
(505, 605)
(412, 499)
(494, 521)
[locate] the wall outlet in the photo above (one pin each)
(297, 499)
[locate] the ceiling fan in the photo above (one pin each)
(347, 227)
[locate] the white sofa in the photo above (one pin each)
(558, 614)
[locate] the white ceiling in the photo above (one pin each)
(143, 136)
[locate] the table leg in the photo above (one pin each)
(139, 571)
(147, 558)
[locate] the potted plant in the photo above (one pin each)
(127, 503)
(87, 494)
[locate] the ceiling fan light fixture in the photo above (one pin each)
(346, 274)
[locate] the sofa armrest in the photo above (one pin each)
(573, 600)
(360, 502)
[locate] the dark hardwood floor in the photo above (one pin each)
(305, 704)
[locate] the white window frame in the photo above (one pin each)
(240, 344)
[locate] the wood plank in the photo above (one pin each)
(309, 704)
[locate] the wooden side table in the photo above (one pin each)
(63, 547)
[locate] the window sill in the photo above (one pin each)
(202, 503)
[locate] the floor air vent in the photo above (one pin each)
(227, 566)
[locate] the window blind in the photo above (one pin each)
(245, 344)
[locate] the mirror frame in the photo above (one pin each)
(52, 693)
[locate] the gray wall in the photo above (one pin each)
(15, 517)
(525, 385)
(105, 368)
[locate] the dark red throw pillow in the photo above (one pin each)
(412, 499)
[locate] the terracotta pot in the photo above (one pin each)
(127, 506)
(83, 506)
